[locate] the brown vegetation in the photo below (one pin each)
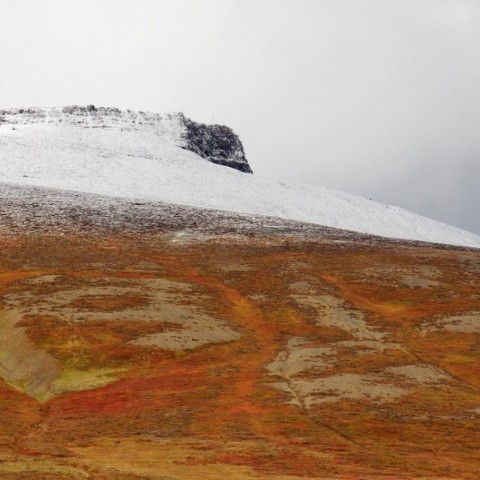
(139, 357)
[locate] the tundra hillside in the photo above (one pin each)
(142, 340)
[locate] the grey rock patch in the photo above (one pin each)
(43, 279)
(347, 386)
(298, 359)
(420, 374)
(203, 330)
(467, 323)
(302, 286)
(414, 281)
(258, 297)
(363, 347)
(332, 312)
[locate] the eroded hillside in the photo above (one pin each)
(142, 341)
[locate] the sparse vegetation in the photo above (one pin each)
(306, 307)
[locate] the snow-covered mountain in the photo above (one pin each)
(174, 160)
(215, 143)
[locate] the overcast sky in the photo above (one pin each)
(375, 97)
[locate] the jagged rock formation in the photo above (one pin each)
(215, 143)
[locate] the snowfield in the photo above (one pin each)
(119, 156)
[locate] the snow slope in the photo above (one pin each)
(124, 158)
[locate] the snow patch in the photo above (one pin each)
(127, 157)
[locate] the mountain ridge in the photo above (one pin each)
(143, 155)
(215, 143)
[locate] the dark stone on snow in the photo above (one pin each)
(215, 143)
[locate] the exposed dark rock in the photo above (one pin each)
(215, 143)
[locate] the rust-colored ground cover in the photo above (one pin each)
(147, 357)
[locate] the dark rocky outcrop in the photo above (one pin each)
(215, 143)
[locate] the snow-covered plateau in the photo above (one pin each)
(150, 156)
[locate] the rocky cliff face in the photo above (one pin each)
(215, 143)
